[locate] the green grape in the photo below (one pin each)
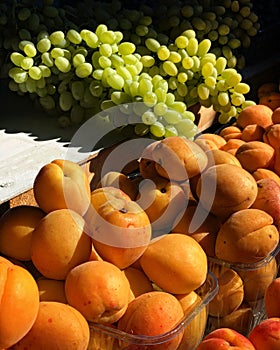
(182, 77)
(188, 62)
(172, 83)
(108, 37)
(57, 37)
(90, 38)
(63, 64)
(157, 129)
(74, 37)
(203, 91)
(152, 44)
(13, 86)
(47, 102)
(24, 34)
(170, 130)
(16, 58)
(77, 114)
(182, 89)
(170, 68)
(203, 47)
(227, 52)
(116, 81)
(160, 109)
(231, 76)
(181, 42)
(207, 69)
(30, 50)
(150, 98)
(210, 81)
(163, 53)
(27, 63)
(141, 30)
(105, 50)
(213, 35)
(192, 46)
(133, 88)
(104, 62)
(35, 73)
(43, 45)
(119, 97)
(198, 23)
(221, 64)
(66, 101)
(172, 116)
(223, 98)
(95, 88)
(57, 52)
(184, 126)
(196, 64)
(148, 118)
(148, 61)
(224, 118)
(78, 59)
(46, 72)
(117, 60)
(161, 94)
(126, 48)
(187, 11)
(237, 99)
(101, 28)
(141, 129)
(23, 14)
(234, 43)
(20, 76)
(83, 70)
(174, 57)
(77, 89)
(124, 73)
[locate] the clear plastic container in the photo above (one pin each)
(191, 328)
(247, 309)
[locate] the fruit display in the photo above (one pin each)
(157, 63)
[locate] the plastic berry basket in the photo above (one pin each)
(105, 337)
(256, 277)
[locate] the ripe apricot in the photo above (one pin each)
(57, 326)
(219, 156)
(272, 100)
(209, 141)
(99, 290)
(262, 173)
(254, 155)
(272, 135)
(16, 227)
(266, 89)
(19, 302)
(170, 262)
(231, 132)
(59, 242)
(152, 314)
(232, 145)
(255, 114)
(252, 132)
(276, 116)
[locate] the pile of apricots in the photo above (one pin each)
(133, 253)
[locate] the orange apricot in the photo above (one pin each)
(252, 132)
(16, 227)
(262, 173)
(57, 326)
(139, 282)
(272, 100)
(272, 135)
(230, 132)
(99, 290)
(19, 302)
(254, 155)
(266, 89)
(255, 114)
(59, 242)
(213, 141)
(152, 314)
(232, 145)
(276, 116)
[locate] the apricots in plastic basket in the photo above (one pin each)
(57, 326)
(19, 302)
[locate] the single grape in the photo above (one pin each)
(157, 129)
(83, 70)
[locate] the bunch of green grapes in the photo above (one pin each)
(229, 24)
(78, 74)
(196, 75)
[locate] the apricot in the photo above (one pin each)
(257, 280)
(200, 225)
(232, 145)
(139, 282)
(263, 173)
(226, 188)
(19, 302)
(162, 200)
(59, 242)
(218, 156)
(276, 116)
(152, 314)
(62, 184)
(255, 154)
(178, 158)
(16, 227)
(266, 89)
(147, 163)
(230, 294)
(252, 132)
(170, 262)
(272, 100)
(276, 166)
(247, 236)
(209, 141)
(231, 132)
(57, 326)
(272, 135)
(99, 290)
(120, 229)
(266, 334)
(255, 114)
(51, 290)
(194, 330)
(271, 298)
